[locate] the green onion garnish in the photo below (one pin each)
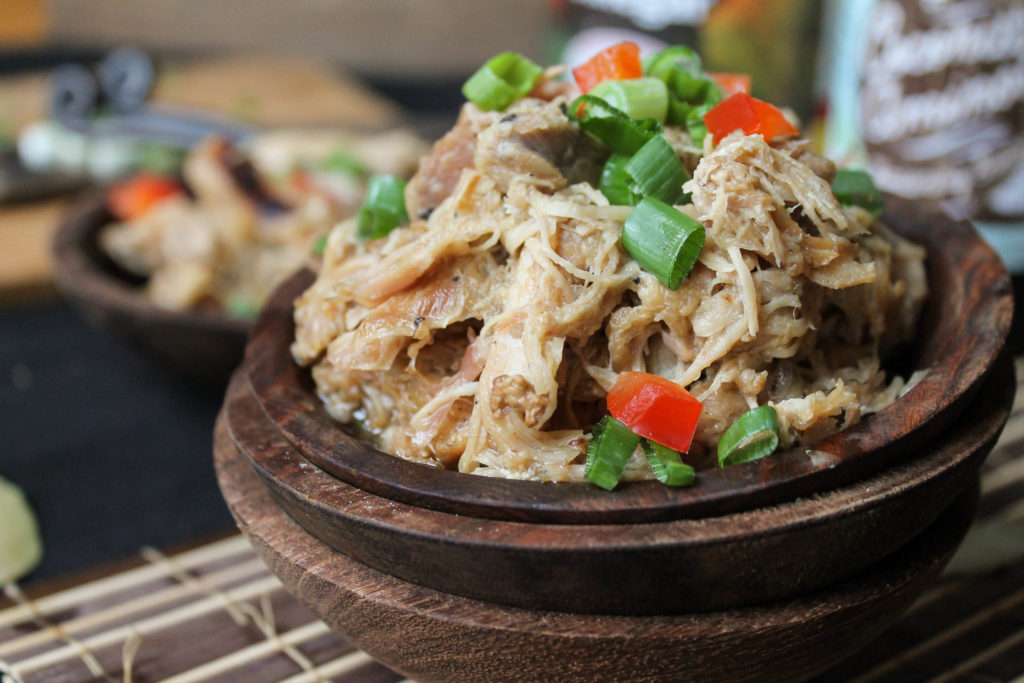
(638, 98)
(158, 158)
(384, 208)
(666, 465)
(753, 435)
(855, 187)
(680, 69)
(320, 245)
(242, 307)
(501, 81)
(615, 181)
(656, 171)
(691, 88)
(670, 58)
(611, 445)
(695, 125)
(663, 240)
(610, 126)
(342, 161)
(688, 86)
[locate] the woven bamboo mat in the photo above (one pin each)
(215, 613)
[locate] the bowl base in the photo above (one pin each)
(429, 635)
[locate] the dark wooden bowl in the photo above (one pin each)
(198, 345)
(628, 568)
(743, 535)
(962, 331)
(433, 636)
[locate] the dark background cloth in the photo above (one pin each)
(112, 452)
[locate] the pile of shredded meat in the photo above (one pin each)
(485, 335)
(247, 223)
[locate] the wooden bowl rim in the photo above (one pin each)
(962, 334)
(82, 273)
(729, 561)
(963, 445)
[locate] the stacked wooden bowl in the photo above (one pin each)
(769, 570)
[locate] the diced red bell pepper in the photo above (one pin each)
(751, 115)
(655, 408)
(132, 198)
(732, 83)
(616, 63)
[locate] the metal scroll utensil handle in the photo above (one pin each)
(111, 101)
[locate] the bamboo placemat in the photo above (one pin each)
(215, 613)
(210, 614)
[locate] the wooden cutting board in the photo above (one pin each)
(25, 234)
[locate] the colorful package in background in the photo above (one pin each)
(929, 94)
(774, 41)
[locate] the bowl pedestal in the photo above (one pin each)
(429, 635)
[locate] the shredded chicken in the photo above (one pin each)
(247, 226)
(485, 335)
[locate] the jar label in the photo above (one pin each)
(942, 103)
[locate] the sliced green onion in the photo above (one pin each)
(320, 245)
(615, 181)
(384, 208)
(670, 58)
(680, 69)
(753, 435)
(713, 93)
(656, 171)
(342, 161)
(610, 126)
(611, 445)
(690, 89)
(666, 465)
(638, 98)
(242, 307)
(501, 81)
(692, 117)
(160, 159)
(853, 187)
(663, 240)
(678, 111)
(695, 125)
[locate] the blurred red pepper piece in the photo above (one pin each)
(132, 198)
(655, 408)
(616, 63)
(732, 83)
(751, 115)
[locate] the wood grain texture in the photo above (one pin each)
(720, 562)
(26, 264)
(403, 39)
(961, 333)
(433, 636)
(197, 345)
